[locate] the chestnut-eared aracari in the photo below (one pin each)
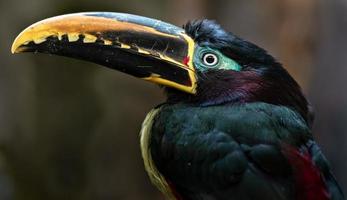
(235, 124)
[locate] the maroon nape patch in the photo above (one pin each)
(186, 60)
(308, 180)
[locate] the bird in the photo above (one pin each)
(235, 124)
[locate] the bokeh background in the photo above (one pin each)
(69, 129)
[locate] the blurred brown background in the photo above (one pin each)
(69, 129)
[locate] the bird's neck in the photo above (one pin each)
(245, 87)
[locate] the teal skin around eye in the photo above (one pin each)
(224, 63)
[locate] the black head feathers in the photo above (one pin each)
(261, 79)
(209, 33)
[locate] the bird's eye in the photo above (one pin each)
(210, 59)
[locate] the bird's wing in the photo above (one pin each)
(236, 153)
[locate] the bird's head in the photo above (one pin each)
(201, 64)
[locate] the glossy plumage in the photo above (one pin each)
(245, 135)
(235, 126)
(238, 152)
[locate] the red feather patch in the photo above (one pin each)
(309, 183)
(186, 60)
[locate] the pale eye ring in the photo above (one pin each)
(210, 59)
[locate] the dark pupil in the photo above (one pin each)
(210, 59)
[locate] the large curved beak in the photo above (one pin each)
(146, 48)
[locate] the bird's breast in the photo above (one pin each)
(145, 140)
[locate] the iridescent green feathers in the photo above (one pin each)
(230, 152)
